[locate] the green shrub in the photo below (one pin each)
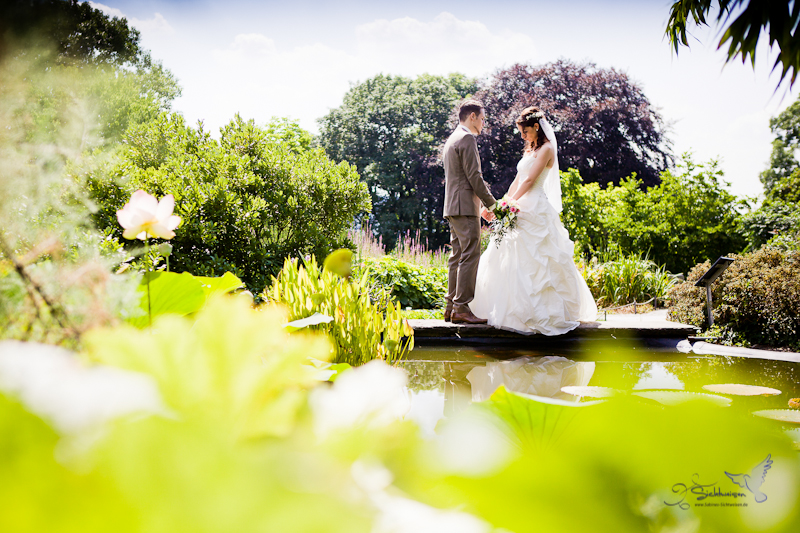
(247, 201)
(761, 298)
(409, 285)
(689, 217)
(361, 330)
(688, 303)
(757, 299)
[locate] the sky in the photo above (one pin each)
(297, 59)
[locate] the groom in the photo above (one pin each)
(464, 191)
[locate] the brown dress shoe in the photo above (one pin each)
(467, 318)
(447, 314)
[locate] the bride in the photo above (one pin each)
(528, 282)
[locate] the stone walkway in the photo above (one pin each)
(646, 325)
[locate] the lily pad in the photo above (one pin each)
(676, 397)
(313, 320)
(791, 416)
(739, 389)
(794, 434)
(590, 392)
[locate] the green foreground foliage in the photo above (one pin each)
(249, 440)
(248, 201)
(756, 300)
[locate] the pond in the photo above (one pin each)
(443, 380)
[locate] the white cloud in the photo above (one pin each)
(446, 44)
(156, 25)
(256, 77)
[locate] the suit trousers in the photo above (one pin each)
(465, 241)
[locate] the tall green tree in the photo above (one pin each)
(783, 162)
(390, 128)
(779, 213)
(743, 22)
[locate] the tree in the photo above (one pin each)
(779, 213)
(390, 128)
(77, 30)
(743, 22)
(687, 218)
(786, 128)
(120, 83)
(606, 126)
(247, 201)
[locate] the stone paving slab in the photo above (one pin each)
(633, 326)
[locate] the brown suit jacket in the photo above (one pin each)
(464, 188)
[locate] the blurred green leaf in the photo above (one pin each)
(170, 293)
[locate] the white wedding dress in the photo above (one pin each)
(529, 282)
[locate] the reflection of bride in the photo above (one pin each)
(539, 376)
(528, 281)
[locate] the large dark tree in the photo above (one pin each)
(390, 128)
(75, 29)
(605, 125)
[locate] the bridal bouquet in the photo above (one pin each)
(505, 212)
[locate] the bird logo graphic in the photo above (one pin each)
(755, 479)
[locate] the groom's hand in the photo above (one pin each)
(487, 215)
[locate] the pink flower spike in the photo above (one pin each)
(144, 215)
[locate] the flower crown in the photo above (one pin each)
(535, 115)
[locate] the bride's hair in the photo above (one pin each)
(530, 116)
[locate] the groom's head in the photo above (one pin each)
(472, 115)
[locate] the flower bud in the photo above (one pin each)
(165, 249)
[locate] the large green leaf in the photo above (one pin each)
(533, 421)
(220, 285)
(170, 293)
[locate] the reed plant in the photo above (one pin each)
(360, 330)
(365, 243)
(412, 274)
(621, 279)
(411, 249)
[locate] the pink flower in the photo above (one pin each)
(144, 215)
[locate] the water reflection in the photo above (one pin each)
(657, 376)
(444, 381)
(539, 376)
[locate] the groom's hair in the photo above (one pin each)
(467, 107)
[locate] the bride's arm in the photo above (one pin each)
(544, 157)
(513, 187)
